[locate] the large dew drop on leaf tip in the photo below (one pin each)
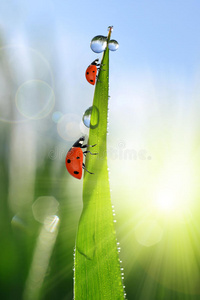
(98, 43)
(113, 45)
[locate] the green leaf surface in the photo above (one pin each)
(97, 267)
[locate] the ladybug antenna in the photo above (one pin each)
(82, 138)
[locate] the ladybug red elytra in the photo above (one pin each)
(74, 158)
(91, 72)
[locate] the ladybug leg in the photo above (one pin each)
(84, 168)
(101, 65)
(98, 79)
(85, 152)
(101, 69)
(86, 146)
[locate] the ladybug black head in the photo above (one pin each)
(79, 142)
(95, 62)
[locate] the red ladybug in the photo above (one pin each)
(74, 159)
(91, 72)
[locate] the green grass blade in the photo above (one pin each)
(97, 267)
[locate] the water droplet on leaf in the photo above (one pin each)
(113, 45)
(98, 43)
(91, 117)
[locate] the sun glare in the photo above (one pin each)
(166, 203)
(174, 196)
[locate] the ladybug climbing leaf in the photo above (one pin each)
(91, 72)
(74, 158)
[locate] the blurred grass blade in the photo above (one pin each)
(97, 267)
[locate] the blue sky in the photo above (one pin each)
(153, 33)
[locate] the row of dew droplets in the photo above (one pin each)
(98, 44)
(119, 250)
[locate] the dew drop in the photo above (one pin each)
(98, 43)
(91, 117)
(113, 45)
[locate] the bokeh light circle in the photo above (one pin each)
(44, 207)
(148, 233)
(35, 99)
(68, 127)
(20, 64)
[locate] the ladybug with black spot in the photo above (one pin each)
(91, 72)
(74, 158)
